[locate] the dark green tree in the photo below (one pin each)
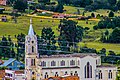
(118, 4)
(47, 41)
(20, 5)
(20, 47)
(115, 36)
(111, 14)
(71, 32)
(112, 2)
(43, 1)
(87, 50)
(5, 47)
(78, 11)
(102, 51)
(92, 15)
(59, 8)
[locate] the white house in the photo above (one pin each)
(86, 66)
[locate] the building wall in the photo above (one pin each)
(61, 72)
(83, 63)
(3, 2)
(105, 73)
(15, 65)
(58, 62)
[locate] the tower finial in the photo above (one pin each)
(31, 20)
(31, 31)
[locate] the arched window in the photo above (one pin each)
(56, 74)
(46, 75)
(66, 73)
(71, 73)
(62, 63)
(100, 74)
(32, 62)
(32, 49)
(53, 63)
(110, 74)
(72, 62)
(76, 74)
(43, 63)
(88, 70)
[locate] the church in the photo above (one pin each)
(85, 66)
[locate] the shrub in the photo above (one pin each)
(111, 14)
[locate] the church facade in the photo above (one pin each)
(85, 66)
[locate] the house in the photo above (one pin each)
(19, 75)
(1, 10)
(3, 2)
(13, 64)
(1, 62)
(86, 66)
(60, 16)
(14, 75)
(2, 74)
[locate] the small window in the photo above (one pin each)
(32, 41)
(33, 73)
(110, 74)
(53, 63)
(72, 62)
(66, 73)
(100, 74)
(62, 63)
(43, 63)
(32, 49)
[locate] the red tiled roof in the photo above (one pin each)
(19, 72)
(2, 73)
(1, 62)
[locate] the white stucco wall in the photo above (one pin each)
(83, 62)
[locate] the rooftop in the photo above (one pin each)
(81, 55)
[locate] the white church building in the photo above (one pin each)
(85, 66)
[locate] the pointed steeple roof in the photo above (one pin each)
(31, 31)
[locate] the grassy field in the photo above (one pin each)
(98, 46)
(22, 26)
(72, 10)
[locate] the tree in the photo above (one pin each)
(111, 14)
(98, 16)
(118, 4)
(84, 3)
(112, 2)
(5, 47)
(47, 41)
(70, 32)
(18, 3)
(78, 11)
(43, 1)
(20, 47)
(59, 8)
(115, 36)
(103, 51)
(92, 15)
(87, 50)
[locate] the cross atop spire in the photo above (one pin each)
(31, 31)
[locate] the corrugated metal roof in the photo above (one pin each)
(6, 63)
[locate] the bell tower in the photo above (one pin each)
(31, 55)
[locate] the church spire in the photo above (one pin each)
(31, 31)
